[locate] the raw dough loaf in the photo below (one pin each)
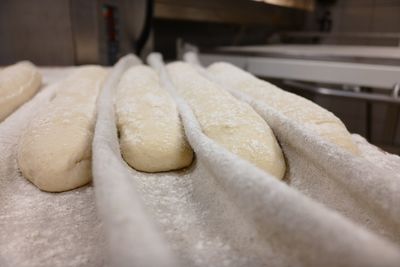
(231, 123)
(320, 120)
(55, 150)
(18, 83)
(151, 133)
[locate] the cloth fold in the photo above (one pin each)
(367, 191)
(221, 211)
(302, 227)
(131, 236)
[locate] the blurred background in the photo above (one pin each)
(342, 54)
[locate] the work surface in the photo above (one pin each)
(205, 215)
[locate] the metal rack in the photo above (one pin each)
(377, 67)
(392, 99)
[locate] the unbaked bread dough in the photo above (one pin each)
(151, 133)
(231, 123)
(55, 150)
(309, 114)
(18, 83)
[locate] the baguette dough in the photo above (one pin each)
(151, 133)
(55, 150)
(18, 83)
(231, 123)
(303, 111)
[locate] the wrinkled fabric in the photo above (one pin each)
(221, 211)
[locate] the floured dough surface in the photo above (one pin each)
(231, 123)
(55, 150)
(320, 120)
(18, 83)
(151, 133)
